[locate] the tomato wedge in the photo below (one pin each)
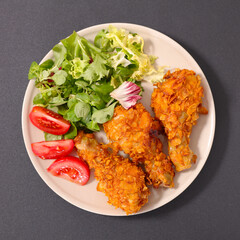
(53, 149)
(70, 168)
(49, 121)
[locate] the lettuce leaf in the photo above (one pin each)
(96, 70)
(33, 71)
(103, 115)
(77, 67)
(132, 45)
(119, 59)
(102, 42)
(74, 47)
(59, 53)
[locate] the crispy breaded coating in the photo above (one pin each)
(176, 103)
(134, 132)
(121, 180)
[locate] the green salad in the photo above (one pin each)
(78, 81)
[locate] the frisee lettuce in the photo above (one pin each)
(132, 45)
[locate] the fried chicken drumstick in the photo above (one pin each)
(176, 103)
(133, 131)
(121, 180)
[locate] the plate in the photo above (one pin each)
(86, 197)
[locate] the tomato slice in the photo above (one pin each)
(49, 121)
(53, 149)
(70, 168)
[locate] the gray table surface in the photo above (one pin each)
(209, 208)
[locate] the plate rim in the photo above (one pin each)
(64, 195)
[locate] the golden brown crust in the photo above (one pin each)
(121, 181)
(134, 131)
(176, 103)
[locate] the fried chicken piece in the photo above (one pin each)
(134, 132)
(176, 103)
(121, 180)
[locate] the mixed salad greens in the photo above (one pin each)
(79, 80)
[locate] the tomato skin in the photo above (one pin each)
(49, 121)
(53, 149)
(70, 168)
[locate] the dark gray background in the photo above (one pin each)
(209, 208)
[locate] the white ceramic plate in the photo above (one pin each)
(86, 197)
